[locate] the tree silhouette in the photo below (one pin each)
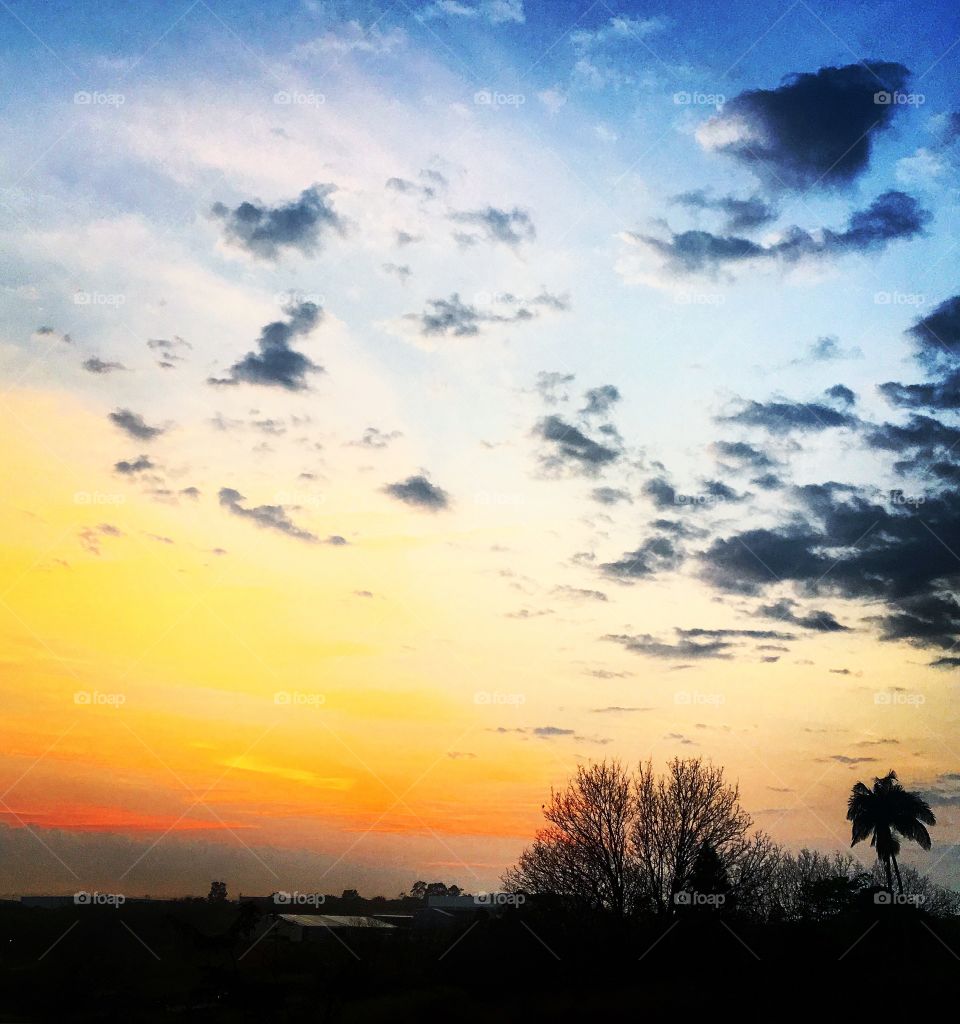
(630, 842)
(886, 814)
(218, 892)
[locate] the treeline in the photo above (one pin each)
(641, 843)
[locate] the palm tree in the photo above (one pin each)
(886, 814)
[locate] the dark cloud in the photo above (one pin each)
(782, 417)
(723, 634)
(655, 554)
(740, 451)
(600, 400)
(271, 517)
(90, 536)
(891, 216)
(923, 435)
(580, 594)
(815, 619)
(815, 129)
(459, 319)
(134, 424)
(401, 271)
(841, 394)
(511, 227)
(682, 649)
(570, 449)
(169, 351)
(276, 364)
(550, 384)
(265, 231)
(660, 492)
(741, 214)
(419, 492)
(610, 495)
(615, 710)
(768, 482)
(925, 620)
(828, 349)
(852, 544)
(943, 394)
(846, 759)
(131, 467)
(937, 336)
(375, 439)
(96, 365)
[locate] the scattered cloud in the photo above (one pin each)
(266, 231)
(275, 363)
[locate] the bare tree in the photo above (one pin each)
(583, 855)
(677, 814)
(629, 842)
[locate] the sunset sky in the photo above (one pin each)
(404, 402)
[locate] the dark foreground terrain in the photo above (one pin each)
(194, 961)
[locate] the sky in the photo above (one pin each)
(406, 402)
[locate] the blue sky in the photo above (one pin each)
(535, 316)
